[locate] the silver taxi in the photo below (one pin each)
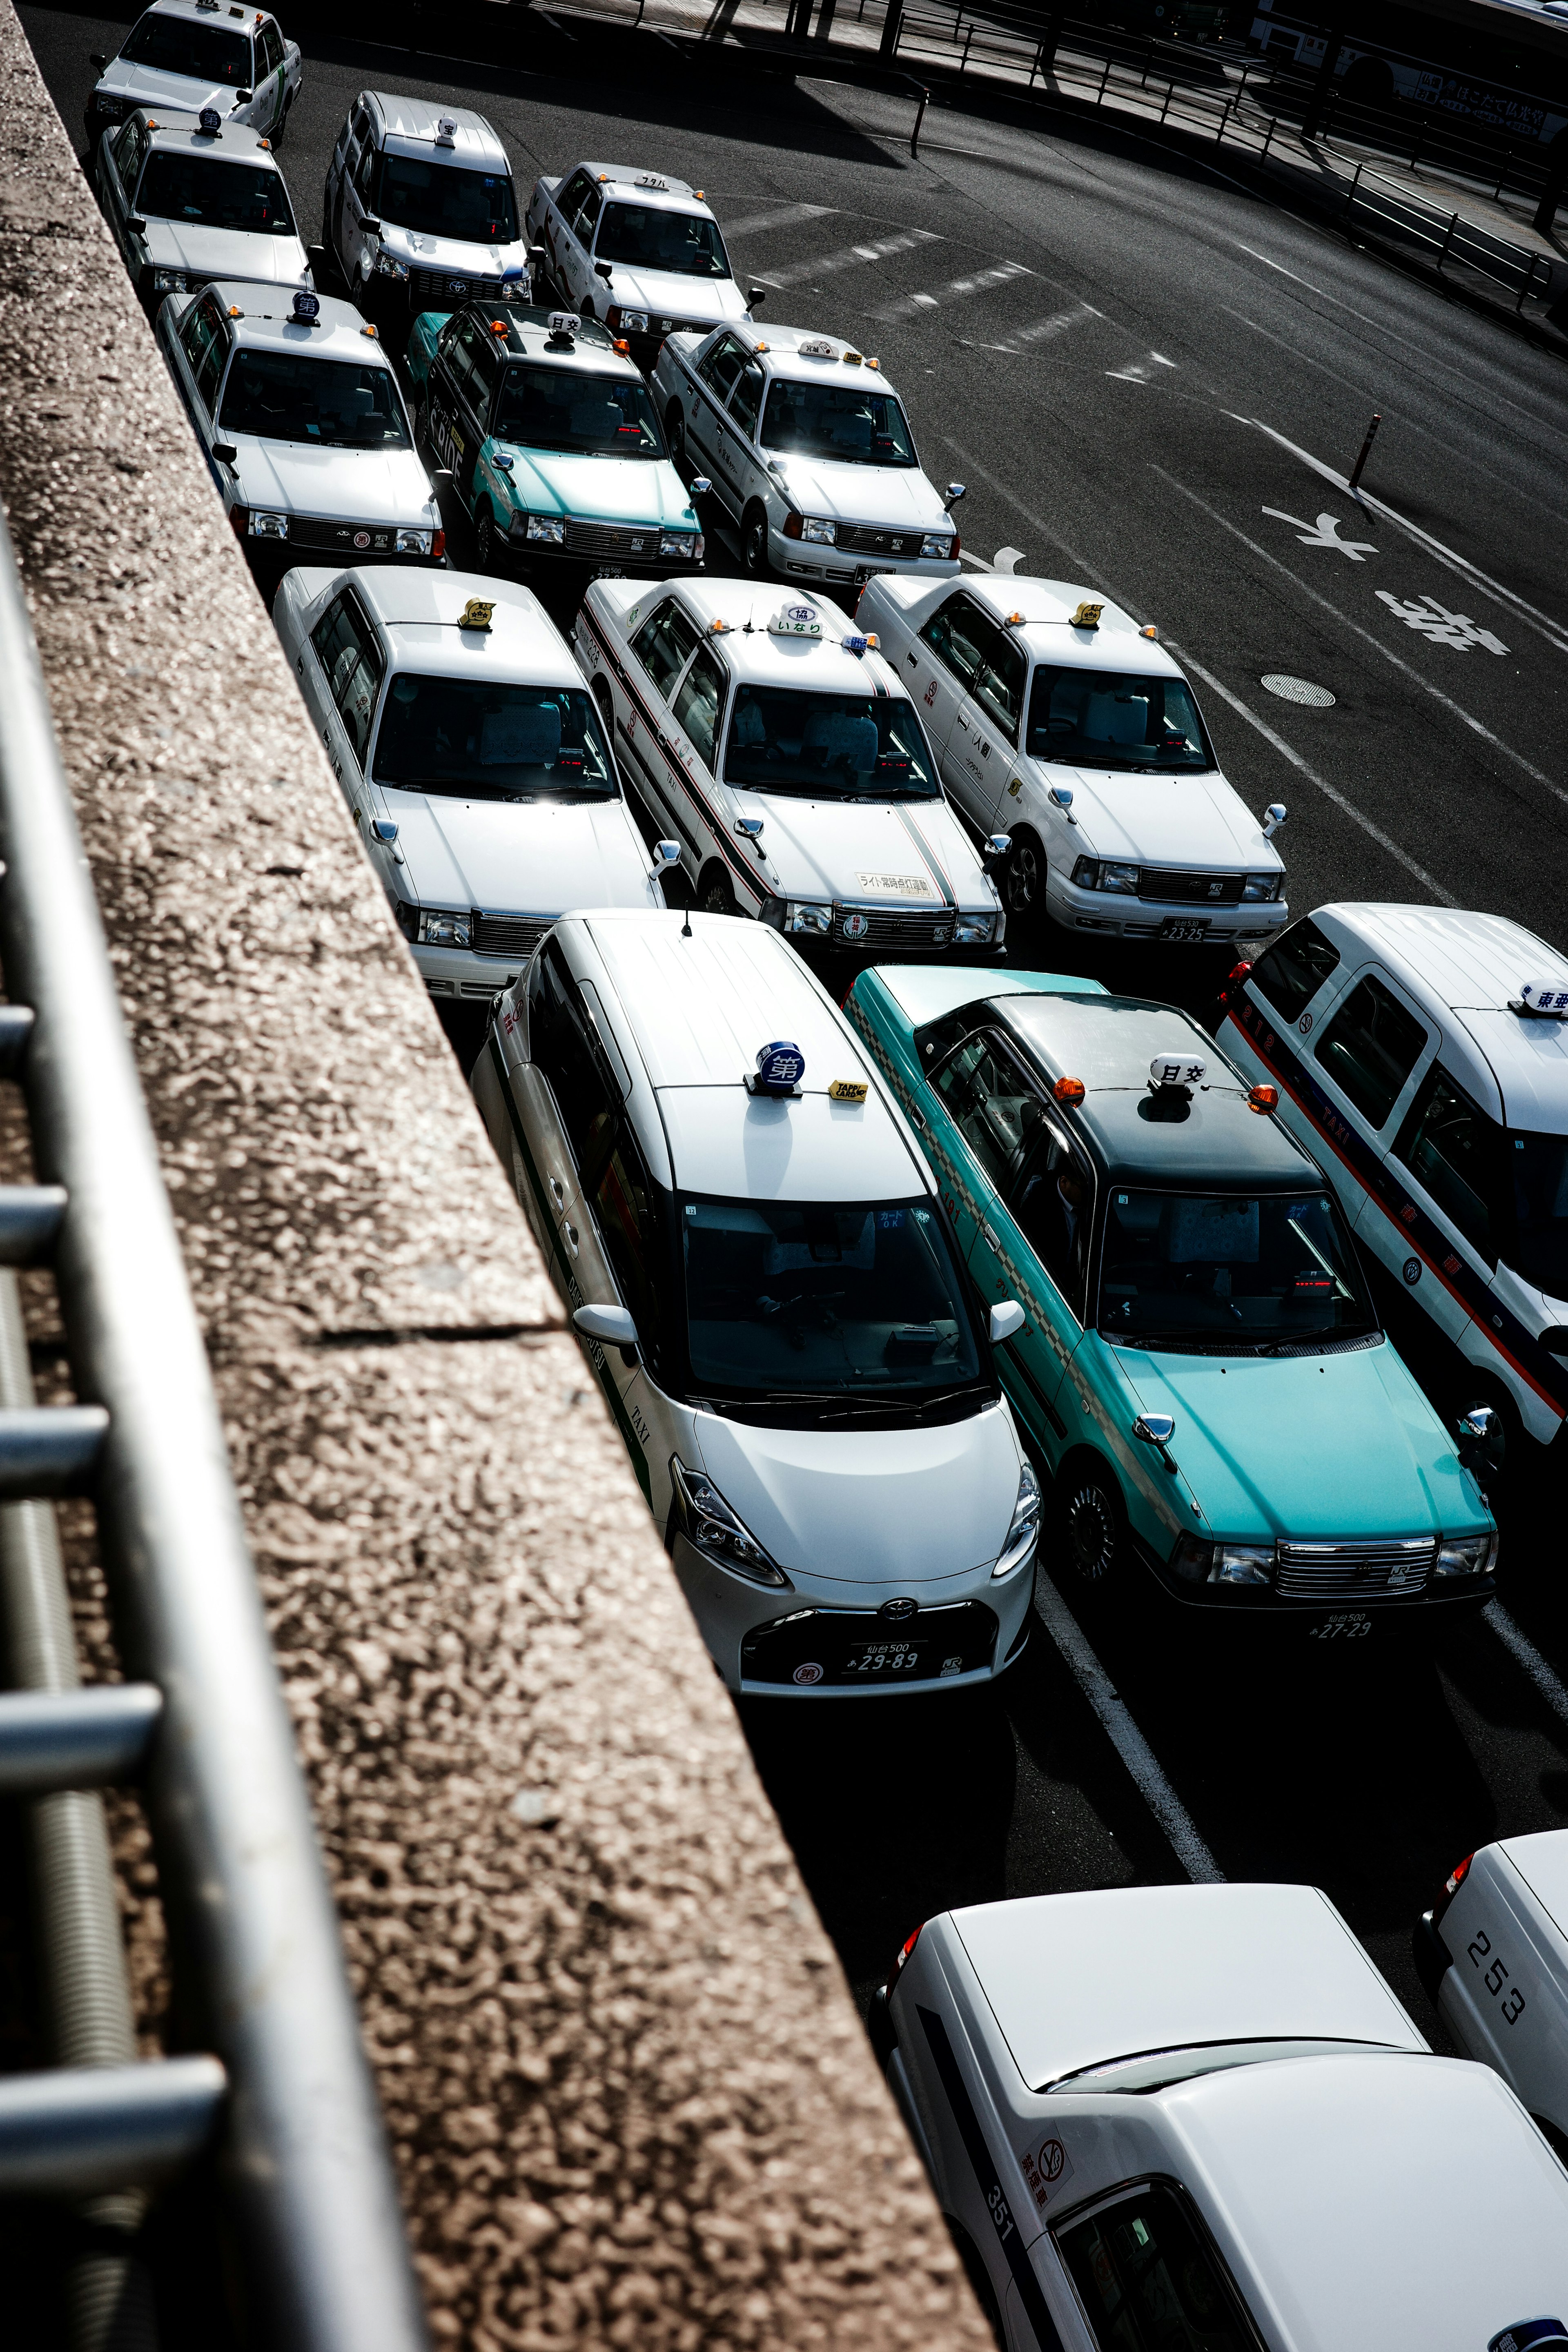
(189, 199)
(1061, 723)
(419, 210)
(637, 249)
(811, 451)
(1421, 1055)
(194, 53)
(780, 749)
(1492, 1954)
(302, 421)
(1196, 2116)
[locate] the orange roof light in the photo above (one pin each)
(1068, 1090)
(623, 346)
(1151, 631)
(498, 326)
(1263, 1099)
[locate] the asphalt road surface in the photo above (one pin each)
(1153, 381)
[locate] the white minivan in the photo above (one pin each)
(759, 1265)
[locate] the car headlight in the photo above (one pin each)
(412, 543)
(974, 930)
(706, 1520)
(174, 281)
(937, 542)
(1025, 1532)
(1242, 1564)
(267, 526)
(440, 928)
(388, 265)
(808, 919)
(822, 534)
(631, 322)
(1260, 886)
(1102, 873)
(681, 544)
(551, 528)
(1467, 1555)
(109, 107)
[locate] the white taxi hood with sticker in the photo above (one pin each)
(517, 858)
(370, 486)
(266, 258)
(911, 855)
(897, 496)
(1196, 821)
(667, 294)
(899, 1507)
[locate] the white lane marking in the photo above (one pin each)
(1007, 559)
(852, 256)
(1456, 709)
(1044, 330)
(1438, 626)
(978, 560)
(1161, 360)
(1523, 1649)
(783, 216)
(1384, 840)
(1290, 274)
(954, 291)
(1137, 371)
(1325, 532)
(1555, 631)
(1125, 1737)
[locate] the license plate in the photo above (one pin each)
(1349, 1626)
(1185, 927)
(609, 572)
(869, 1660)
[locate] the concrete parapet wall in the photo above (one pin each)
(628, 2095)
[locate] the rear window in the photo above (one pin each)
(1148, 2281)
(1294, 969)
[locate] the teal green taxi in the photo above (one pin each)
(1199, 1361)
(552, 444)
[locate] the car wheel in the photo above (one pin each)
(754, 544)
(674, 433)
(714, 894)
(485, 535)
(607, 702)
(585, 308)
(1024, 879)
(281, 125)
(1093, 1521)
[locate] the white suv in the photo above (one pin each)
(638, 250)
(419, 210)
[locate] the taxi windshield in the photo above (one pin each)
(842, 747)
(846, 1310)
(1105, 719)
(1228, 1271)
(852, 422)
(473, 739)
(644, 237)
(219, 195)
(1539, 1248)
(443, 200)
(563, 408)
(174, 45)
(291, 396)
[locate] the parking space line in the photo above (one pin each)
(1124, 1735)
(1523, 1650)
(852, 256)
(955, 290)
(781, 217)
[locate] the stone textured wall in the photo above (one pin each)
(629, 2098)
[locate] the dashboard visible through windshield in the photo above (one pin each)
(783, 739)
(1226, 1269)
(477, 740)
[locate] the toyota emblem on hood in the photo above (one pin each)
(897, 1611)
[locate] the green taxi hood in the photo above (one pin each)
(594, 489)
(422, 341)
(915, 994)
(1316, 1448)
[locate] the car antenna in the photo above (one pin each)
(686, 922)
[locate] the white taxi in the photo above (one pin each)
(188, 200)
(472, 758)
(419, 210)
(778, 748)
(1196, 2116)
(1060, 721)
(300, 418)
(1493, 1954)
(637, 249)
(1421, 1055)
(197, 53)
(759, 1265)
(809, 448)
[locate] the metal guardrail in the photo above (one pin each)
(283, 2100)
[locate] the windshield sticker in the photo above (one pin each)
(898, 886)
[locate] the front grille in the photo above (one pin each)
(932, 929)
(341, 538)
(1191, 889)
(848, 1649)
(865, 539)
(508, 935)
(612, 538)
(432, 289)
(1354, 1571)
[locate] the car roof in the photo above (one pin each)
(593, 346)
(420, 610)
(643, 186)
(339, 331)
(1213, 1139)
(696, 997)
(755, 655)
(781, 351)
(1463, 969)
(410, 126)
(187, 8)
(168, 126)
(1079, 1981)
(1378, 2200)
(1048, 606)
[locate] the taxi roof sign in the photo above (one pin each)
(795, 620)
(564, 322)
(1086, 616)
(1542, 1004)
(818, 347)
(1177, 1069)
(476, 613)
(780, 1069)
(307, 307)
(210, 121)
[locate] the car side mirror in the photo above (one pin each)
(135, 224)
(537, 258)
(666, 852)
(610, 1325)
(97, 61)
(700, 486)
(1483, 1441)
(602, 269)
(1273, 818)
(955, 490)
(1062, 795)
(999, 845)
(1005, 1319)
(225, 452)
(755, 296)
(1154, 1428)
(371, 226)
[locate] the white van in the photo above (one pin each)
(769, 1293)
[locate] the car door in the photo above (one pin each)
(717, 369)
(463, 385)
(739, 431)
(985, 730)
(660, 653)
(344, 164)
(271, 98)
(572, 1111)
(352, 666)
(943, 666)
(358, 206)
(1451, 1159)
(697, 709)
(588, 290)
(203, 344)
(555, 234)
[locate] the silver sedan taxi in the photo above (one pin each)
(189, 199)
(1196, 2116)
(1492, 1953)
(197, 53)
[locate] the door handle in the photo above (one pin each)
(559, 1190)
(991, 1241)
(570, 1230)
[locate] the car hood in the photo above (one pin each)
(898, 496)
(669, 296)
(150, 85)
(597, 490)
(209, 252)
(512, 858)
(371, 485)
(1183, 821)
(864, 1505)
(874, 852)
(426, 252)
(1320, 1448)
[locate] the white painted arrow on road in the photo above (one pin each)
(1325, 532)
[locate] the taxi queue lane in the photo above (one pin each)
(1149, 381)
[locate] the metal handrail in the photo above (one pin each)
(301, 2152)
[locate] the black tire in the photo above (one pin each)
(585, 309)
(714, 896)
(1093, 1521)
(674, 433)
(754, 544)
(607, 702)
(421, 422)
(276, 134)
(1024, 879)
(485, 550)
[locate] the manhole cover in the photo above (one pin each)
(1298, 689)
